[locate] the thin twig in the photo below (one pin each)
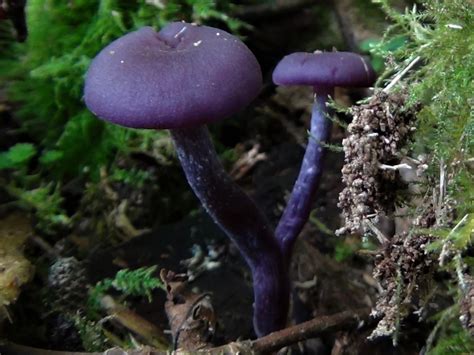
(132, 321)
(447, 245)
(247, 161)
(380, 236)
(45, 246)
(394, 167)
(460, 272)
(400, 75)
(267, 344)
(442, 182)
(310, 329)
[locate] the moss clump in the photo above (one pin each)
(436, 66)
(377, 132)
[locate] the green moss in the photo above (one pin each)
(440, 39)
(444, 85)
(44, 78)
(139, 282)
(448, 336)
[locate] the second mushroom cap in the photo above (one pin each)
(324, 69)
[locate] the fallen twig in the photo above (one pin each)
(267, 344)
(310, 329)
(132, 321)
(401, 74)
(247, 161)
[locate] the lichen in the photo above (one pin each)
(403, 269)
(15, 268)
(378, 131)
(436, 66)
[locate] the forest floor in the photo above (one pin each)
(328, 273)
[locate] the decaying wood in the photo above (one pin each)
(149, 332)
(313, 328)
(191, 316)
(310, 329)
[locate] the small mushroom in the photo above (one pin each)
(322, 71)
(182, 78)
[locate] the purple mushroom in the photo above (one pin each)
(180, 79)
(322, 71)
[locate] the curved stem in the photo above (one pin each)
(299, 205)
(242, 221)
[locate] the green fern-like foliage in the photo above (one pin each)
(139, 282)
(136, 283)
(91, 334)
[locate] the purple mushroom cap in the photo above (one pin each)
(324, 69)
(182, 76)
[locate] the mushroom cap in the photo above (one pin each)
(182, 76)
(324, 69)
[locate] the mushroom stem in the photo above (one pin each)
(300, 202)
(242, 221)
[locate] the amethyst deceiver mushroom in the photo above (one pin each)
(180, 79)
(322, 71)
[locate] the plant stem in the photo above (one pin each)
(242, 221)
(299, 205)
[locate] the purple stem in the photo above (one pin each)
(242, 221)
(299, 205)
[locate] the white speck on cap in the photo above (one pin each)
(180, 32)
